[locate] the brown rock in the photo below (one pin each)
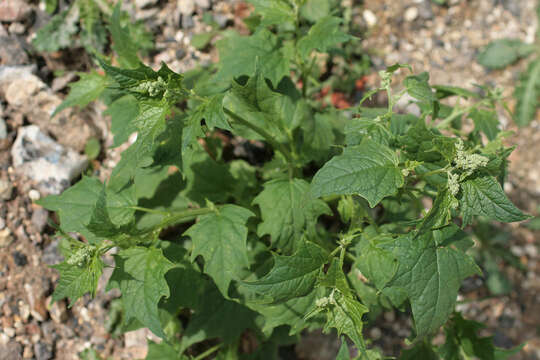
(11, 351)
(14, 10)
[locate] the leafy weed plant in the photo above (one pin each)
(323, 227)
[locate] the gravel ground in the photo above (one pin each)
(441, 40)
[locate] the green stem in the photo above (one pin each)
(208, 352)
(151, 211)
(276, 145)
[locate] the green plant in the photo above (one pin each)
(326, 224)
(84, 23)
(501, 53)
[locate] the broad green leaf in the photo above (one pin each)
(291, 313)
(76, 205)
(325, 34)
(369, 170)
(503, 52)
(527, 93)
(50, 6)
(88, 88)
(318, 137)
(139, 273)
(239, 54)
(343, 353)
(486, 121)
(77, 279)
(421, 350)
(376, 263)
(314, 10)
(287, 210)
(418, 87)
(123, 43)
(431, 268)
(268, 110)
(163, 351)
(440, 213)
(212, 113)
(292, 276)
(359, 128)
(200, 41)
(274, 12)
(220, 238)
(57, 34)
(122, 111)
(93, 35)
(483, 196)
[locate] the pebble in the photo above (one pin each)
(221, 20)
(34, 195)
(3, 129)
(187, 21)
(43, 351)
(411, 14)
(203, 4)
(2, 223)
(16, 28)
(5, 237)
(369, 18)
(28, 353)
(39, 219)
(141, 4)
(58, 312)
(38, 157)
(6, 190)
(19, 258)
(186, 7)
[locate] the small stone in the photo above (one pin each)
(180, 54)
(186, 7)
(2, 223)
(58, 312)
(141, 4)
(187, 21)
(3, 129)
(36, 156)
(14, 10)
(19, 258)
(203, 4)
(5, 237)
(39, 219)
(28, 353)
(10, 332)
(221, 20)
(411, 14)
(369, 18)
(34, 195)
(11, 351)
(43, 351)
(6, 190)
(51, 255)
(16, 28)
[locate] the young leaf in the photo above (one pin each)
(343, 353)
(430, 272)
(57, 34)
(77, 279)
(369, 170)
(220, 238)
(238, 55)
(418, 87)
(527, 93)
(88, 88)
(123, 43)
(274, 12)
(287, 210)
(503, 52)
(440, 213)
(122, 111)
(486, 121)
(376, 263)
(422, 350)
(322, 36)
(483, 196)
(139, 273)
(292, 276)
(212, 113)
